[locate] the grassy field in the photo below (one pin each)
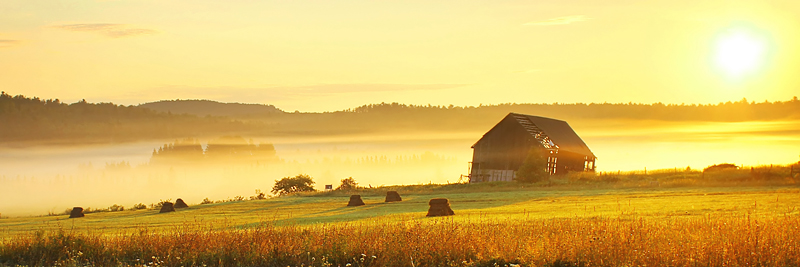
(581, 223)
(533, 203)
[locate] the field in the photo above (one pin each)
(602, 222)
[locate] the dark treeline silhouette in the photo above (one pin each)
(227, 149)
(728, 111)
(212, 108)
(34, 119)
(395, 117)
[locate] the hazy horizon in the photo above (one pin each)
(322, 56)
(682, 103)
(50, 179)
(717, 79)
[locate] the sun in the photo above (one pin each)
(739, 51)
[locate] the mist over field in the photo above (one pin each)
(54, 155)
(51, 177)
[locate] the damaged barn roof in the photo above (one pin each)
(552, 133)
(560, 133)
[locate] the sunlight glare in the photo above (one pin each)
(739, 51)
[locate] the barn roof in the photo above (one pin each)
(561, 133)
(558, 131)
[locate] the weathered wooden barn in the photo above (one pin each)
(501, 151)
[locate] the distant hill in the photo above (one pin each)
(34, 120)
(37, 120)
(207, 107)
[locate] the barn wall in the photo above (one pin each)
(486, 175)
(504, 147)
(569, 162)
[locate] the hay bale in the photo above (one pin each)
(180, 204)
(76, 212)
(435, 201)
(393, 196)
(355, 200)
(439, 207)
(167, 207)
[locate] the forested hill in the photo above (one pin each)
(398, 118)
(729, 111)
(24, 119)
(213, 108)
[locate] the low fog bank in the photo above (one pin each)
(40, 179)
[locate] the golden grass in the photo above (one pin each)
(708, 241)
(594, 223)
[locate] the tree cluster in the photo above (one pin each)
(34, 119)
(290, 185)
(227, 148)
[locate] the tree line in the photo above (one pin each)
(225, 149)
(742, 110)
(34, 119)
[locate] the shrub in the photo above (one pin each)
(348, 184)
(289, 185)
(534, 168)
(258, 195)
(719, 167)
(160, 203)
(116, 207)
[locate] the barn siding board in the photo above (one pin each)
(503, 149)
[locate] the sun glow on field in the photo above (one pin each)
(740, 51)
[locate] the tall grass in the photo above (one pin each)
(675, 177)
(741, 240)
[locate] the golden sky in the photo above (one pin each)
(333, 55)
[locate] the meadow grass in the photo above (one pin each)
(600, 241)
(579, 220)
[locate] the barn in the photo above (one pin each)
(501, 151)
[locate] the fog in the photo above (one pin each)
(38, 180)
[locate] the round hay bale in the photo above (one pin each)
(167, 207)
(393, 196)
(438, 201)
(439, 207)
(180, 204)
(76, 212)
(355, 200)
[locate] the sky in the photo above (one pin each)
(333, 55)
